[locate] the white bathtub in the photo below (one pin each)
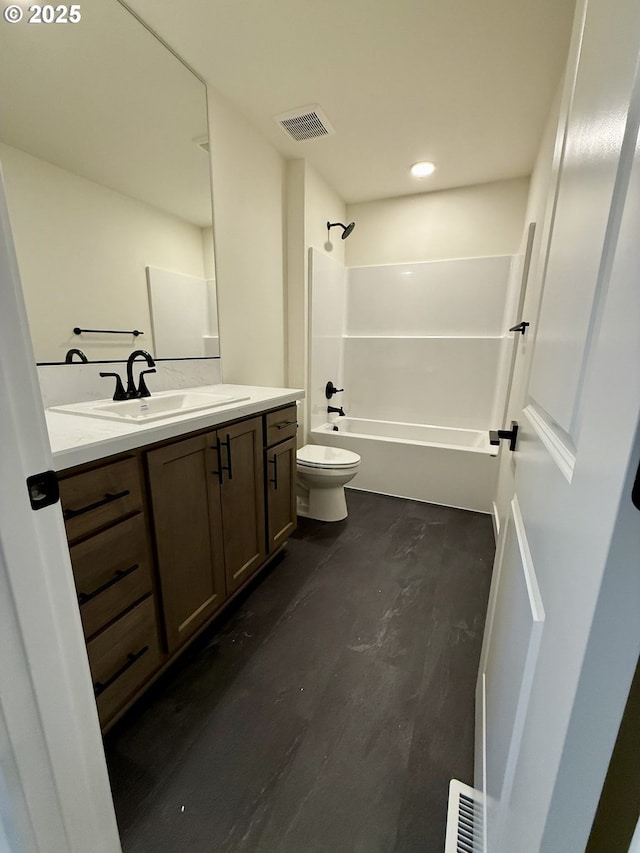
(443, 465)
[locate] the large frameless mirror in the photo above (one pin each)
(104, 151)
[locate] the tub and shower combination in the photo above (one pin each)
(449, 466)
(421, 352)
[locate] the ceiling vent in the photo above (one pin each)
(305, 123)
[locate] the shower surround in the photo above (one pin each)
(416, 347)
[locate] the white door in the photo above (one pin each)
(563, 627)
(54, 789)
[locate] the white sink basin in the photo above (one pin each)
(166, 404)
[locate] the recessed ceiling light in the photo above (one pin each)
(422, 169)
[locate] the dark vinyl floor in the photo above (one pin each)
(328, 710)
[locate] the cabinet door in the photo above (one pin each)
(186, 511)
(242, 500)
(281, 493)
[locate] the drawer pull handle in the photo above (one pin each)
(107, 499)
(274, 462)
(285, 424)
(83, 597)
(100, 686)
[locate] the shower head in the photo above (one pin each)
(346, 229)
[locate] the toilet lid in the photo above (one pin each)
(320, 456)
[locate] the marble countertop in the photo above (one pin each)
(76, 439)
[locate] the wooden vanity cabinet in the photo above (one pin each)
(212, 513)
(187, 521)
(207, 496)
(103, 510)
(280, 462)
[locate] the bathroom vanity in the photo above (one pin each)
(166, 522)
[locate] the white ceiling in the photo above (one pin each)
(465, 83)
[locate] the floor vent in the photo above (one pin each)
(465, 832)
(305, 123)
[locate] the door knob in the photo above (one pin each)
(520, 327)
(512, 434)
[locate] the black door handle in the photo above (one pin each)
(512, 434)
(520, 327)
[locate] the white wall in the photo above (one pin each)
(423, 341)
(323, 205)
(66, 229)
(327, 282)
(297, 303)
(455, 298)
(249, 223)
(469, 222)
(311, 203)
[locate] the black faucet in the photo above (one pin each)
(70, 354)
(119, 393)
(340, 411)
(142, 391)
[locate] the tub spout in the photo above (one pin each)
(340, 411)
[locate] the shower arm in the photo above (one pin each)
(346, 229)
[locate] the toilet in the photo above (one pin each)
(322, 475)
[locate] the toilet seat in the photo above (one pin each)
(321, 456)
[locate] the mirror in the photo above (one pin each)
(104, 152)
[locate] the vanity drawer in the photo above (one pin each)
(100, 496)
(111, 571)
(123, 657)
(281, 424)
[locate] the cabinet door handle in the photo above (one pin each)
(107, 499)
(100, 686)
(83, 597)
(216, 447)
(228, 468)
(285, 424)
(274, 462)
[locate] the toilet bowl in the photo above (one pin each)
(322, 475)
